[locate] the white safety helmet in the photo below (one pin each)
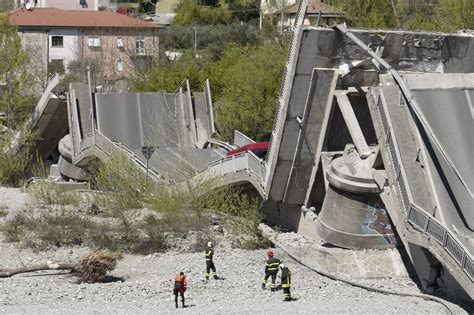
(210, 244)
(282, 265)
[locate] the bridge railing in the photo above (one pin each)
(418, 217)
(290, 66)
(98, 140)
(242, 162)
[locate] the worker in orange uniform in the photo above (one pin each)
(271, 270)
(180, 286)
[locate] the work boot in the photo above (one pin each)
(263, 286)
(216, 277)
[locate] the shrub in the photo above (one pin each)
(242, 215)
(123, 184)
(15, 156)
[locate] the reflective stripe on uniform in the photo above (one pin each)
(273, 264)
(284, 286)
(272, 267)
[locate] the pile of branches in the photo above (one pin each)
(92, 268)
(95, 265)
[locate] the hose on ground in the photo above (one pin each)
(363, 286)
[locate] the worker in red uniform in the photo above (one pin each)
(180, 286)
(271, 270)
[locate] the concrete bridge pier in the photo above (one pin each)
(353, 215)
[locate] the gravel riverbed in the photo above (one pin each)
(143, 285)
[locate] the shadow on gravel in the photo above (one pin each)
(111, 279)
(107, 279)
(189, 305)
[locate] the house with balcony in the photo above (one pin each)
(115, 43)
(283, 12)
(88, 5)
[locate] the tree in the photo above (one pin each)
(429, 15)
(213, 38)
(170, 74)
(243, 10)
(14, 99)
(246, 84)
(368, 13)
(188, 12)
(6, 5)
(453, 15)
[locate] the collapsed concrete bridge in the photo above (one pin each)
(372, 143)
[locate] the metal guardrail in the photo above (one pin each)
(107, 146)
(287, 83)
(243, 162)
(241, 139)
(419, 218)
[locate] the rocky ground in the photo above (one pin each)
(142, 285)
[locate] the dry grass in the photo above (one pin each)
(43, 192)
(3, 210)
(61, 227)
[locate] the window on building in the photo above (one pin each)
(119, 65)
(140, 46)
(120, 42)
(57, 41)
(93, 41)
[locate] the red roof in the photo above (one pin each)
(314, 6)
(52, 17)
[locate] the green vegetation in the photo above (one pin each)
(211, 40)
(188, 12)
(441, 15)
(43, 192)
(68, 228)
(122, 183)
(15, 101)
(246, 87)
(127, 217)
(14, 165)
(212, 12)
